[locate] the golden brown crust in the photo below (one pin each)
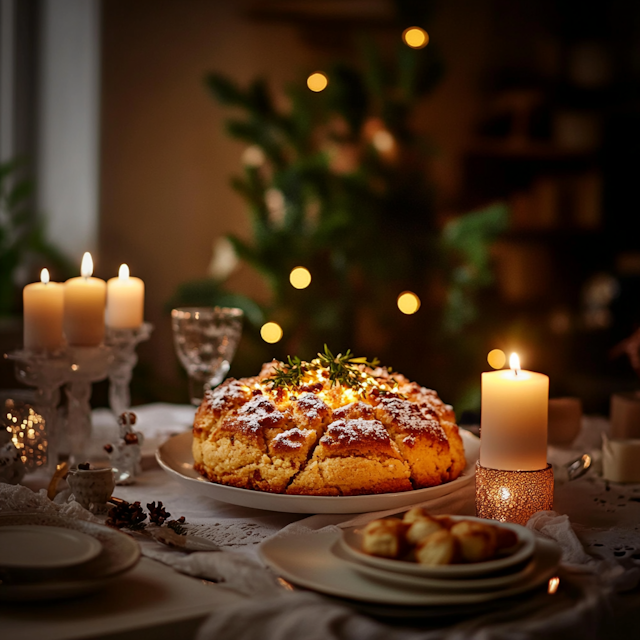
(324, 439)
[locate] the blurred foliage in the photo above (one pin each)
(23, 244)
(338, 182)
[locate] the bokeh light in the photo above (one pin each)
(415, 37)
(554, 583)
(300, 278)
(271, 332)
(408, 302)
(496, 358)
(383, 141)
(317, 81)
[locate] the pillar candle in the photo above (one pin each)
(625, 415)
(84, 304)
(125, 300)
(513, 431)
(43, 308)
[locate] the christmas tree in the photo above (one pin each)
(345, 230)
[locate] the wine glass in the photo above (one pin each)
(205, 339)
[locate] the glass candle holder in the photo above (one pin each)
(28, 428)
(513, 496)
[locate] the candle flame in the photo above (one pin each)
(44, 276)
(86, 269)
(514, 363)
(123, 272)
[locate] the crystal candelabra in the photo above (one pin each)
(123, 343)
(77, 368)
(86, 366)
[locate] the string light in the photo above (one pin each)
(383, 141)
(317, 81)
(415, 37)
(496, 358)
(300, 278)
(408, 302)
(271, 332)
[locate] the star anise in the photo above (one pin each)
(157, 515)
(127, 515)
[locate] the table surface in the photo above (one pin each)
(152, 599)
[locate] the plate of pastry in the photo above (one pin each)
(444, 547)
(317, 561)
(333, 435)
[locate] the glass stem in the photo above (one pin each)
(196, 390)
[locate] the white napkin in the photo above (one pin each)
(611, 575)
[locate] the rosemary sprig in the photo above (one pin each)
(289, 375)
(343, 370)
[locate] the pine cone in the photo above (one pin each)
(127, 515)
(157, 515)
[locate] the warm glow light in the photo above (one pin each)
(123, 272)
(383, 141)
(86, 268)
(496, 358)
(253, 156)
(505, 494)
(300, 278)
(271, 332)
(554, 583)
(317, 81)
(415, 37)
(514, 363)
(408, 302)
(44, 276)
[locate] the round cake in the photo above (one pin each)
(328, 427)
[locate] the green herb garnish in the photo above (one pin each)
(289, 375)
(343, 370)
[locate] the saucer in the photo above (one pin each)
(494, 582)
(351, 543)
(38, 547)
(118, 553)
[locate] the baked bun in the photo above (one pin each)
(385, 538)
(370, 432)
(437, 549)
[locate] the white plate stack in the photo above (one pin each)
(334, 564)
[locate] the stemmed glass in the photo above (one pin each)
(205, 339)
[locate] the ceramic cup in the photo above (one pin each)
(92, 486)
(565, 420)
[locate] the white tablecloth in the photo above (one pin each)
(605, 517)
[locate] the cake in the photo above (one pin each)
(334, 426)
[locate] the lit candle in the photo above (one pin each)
(513, 432)
(43, 304)
(84, 303)
(125, 300)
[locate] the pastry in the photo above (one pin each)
(332, 426)
(385, 538)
